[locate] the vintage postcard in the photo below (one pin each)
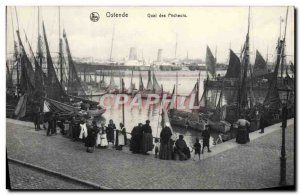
(150, 98)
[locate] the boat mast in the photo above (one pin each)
(123, 109)
(283, 45)
(60, 49)
(112, 42)
(176, 89)
(15, 53)
(216, 50)
(18, 73)
(267, 55)
(176, 47)
(39, 51)
(245, 63)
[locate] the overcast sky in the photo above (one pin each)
(213, 26)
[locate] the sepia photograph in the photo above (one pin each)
(150, 97)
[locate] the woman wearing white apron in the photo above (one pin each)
(83, 130)
(120, 137)
(103, 137)
(99, 134)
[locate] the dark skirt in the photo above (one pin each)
(110, 135)
(90, 141)
(242, 135)
(147, 142)
(165, 151)
(135, 143)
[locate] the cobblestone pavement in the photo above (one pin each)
(251, 166)
(22, 177)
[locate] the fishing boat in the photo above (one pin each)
(152, 88)
(45, 89)
(272, 104)
(132, 89)
(232, 75)
(188, 119)
(112, 88)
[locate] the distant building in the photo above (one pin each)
(132, 54)
(159, 55)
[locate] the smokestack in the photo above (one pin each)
(132, 54)
(159, 55)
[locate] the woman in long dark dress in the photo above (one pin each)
(147, 140)
(166, 148)
(242, 134)
(90, 140)
(110, 131)
(136, 138)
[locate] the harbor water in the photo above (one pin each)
(186, 82)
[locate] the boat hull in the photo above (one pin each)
(95, 112)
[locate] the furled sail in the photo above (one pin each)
(272, 100)
(60, 108)
(149, 84)
(260, 66)
(102, 84)
(196, 101)
(112, 83)
(234, 67)
(54, 89)
(141, 85)
(20, 110)
(74, 84)
(131, 87)
(38, 77)
(27, 74)
(203, 99)
(243, 99)
(156, 86)
(210, 61)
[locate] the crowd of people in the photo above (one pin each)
(166, 147)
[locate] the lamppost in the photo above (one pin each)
(284, 115)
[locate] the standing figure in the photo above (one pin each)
(110, 131)
(263, 123)
(83, 130)
(206, 136)
(50, 124)
(55, 118)
(257, 119)
(136, 138)
(36, 115)
(147, 140)
(197, 148)
(156, 147)
(166, 147)
(120, 137)
(90, 140)
(101, 136)
(71, 132)
(242, 134)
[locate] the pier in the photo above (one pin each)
(254, 165)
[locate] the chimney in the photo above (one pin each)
(132, 54)
(159, 55)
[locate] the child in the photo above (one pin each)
(156, 147)
(103, 141)
(197, 148)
